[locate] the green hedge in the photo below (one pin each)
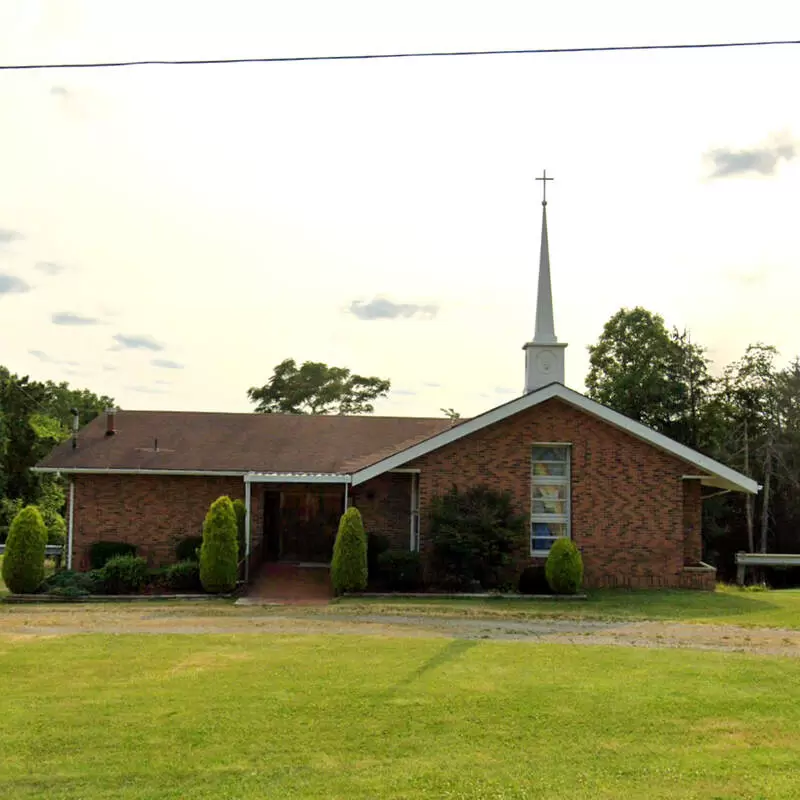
(219, 554)
(125, 575)
(23, 565)
(100, 552)
(183, 577)
(69, 583)
(400, 570)
(349, 564)
(474, 534)
(564, 567)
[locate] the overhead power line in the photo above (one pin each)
(375, 56)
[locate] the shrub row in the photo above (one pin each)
(124, 575)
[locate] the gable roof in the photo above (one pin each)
(216, 443)
(713, 472)
(201, 443)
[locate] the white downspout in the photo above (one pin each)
(71, 522)
(247, 498)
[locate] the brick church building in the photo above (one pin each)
(629, 497)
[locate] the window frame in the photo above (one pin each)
(564, 480)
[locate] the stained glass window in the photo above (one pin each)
(550, 496)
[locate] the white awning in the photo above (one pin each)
(296, 477)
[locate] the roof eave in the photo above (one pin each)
(726, 477)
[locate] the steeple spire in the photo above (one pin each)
(544, 356)
(545, 327)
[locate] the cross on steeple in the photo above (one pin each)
(544, 180)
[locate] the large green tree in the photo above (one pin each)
(34, 417)
(661, 379)
(316, 388)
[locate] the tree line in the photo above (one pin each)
(747, 416)
(34, 417)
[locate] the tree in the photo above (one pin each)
(656, 377)
(450, 413)
(749, 399)
(694, 424)
(349, 562)
(316, 388)
(21, 444)
(34, 417)
(23, 564)
(219, 553)
(632, 366)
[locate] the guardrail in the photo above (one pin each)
(744, 560)
(50, 550)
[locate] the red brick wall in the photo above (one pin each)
(633, 518)
(692, 522)
(629, 509)
(154, 512)
(385, 506)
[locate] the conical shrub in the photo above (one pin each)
(564, 567)
(349, 564)
(23, 564)
(219, 553)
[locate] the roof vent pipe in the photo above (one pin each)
(75, 426)
(111, 414)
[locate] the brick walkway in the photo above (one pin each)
(290, 584)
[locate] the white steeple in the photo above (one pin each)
(544, 356)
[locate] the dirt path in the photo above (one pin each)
(16, 621)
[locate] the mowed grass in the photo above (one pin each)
(257, 716)
(728, 605)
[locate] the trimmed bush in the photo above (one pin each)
(349, 564)
(400, 570)
(183, 577)
(188, 549)
(240, 509)
(564, 567)
(125, 575)
(23, 565)
(473, 536)
(219, 554)
(101, 552)
(533, 580)
(69, 583)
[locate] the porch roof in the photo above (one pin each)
(296, 477)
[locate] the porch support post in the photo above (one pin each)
(346, 498)
(247, 519)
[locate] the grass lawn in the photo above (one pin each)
(728, 605)
(257, 716)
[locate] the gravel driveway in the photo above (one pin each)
(17, 621)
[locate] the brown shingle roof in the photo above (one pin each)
(189, 440)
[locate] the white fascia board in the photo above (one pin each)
(454, 434)
(719, 473)
(110, 471)
(295, 477)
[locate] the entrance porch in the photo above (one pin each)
(292, 518)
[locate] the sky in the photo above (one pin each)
(169, 234)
